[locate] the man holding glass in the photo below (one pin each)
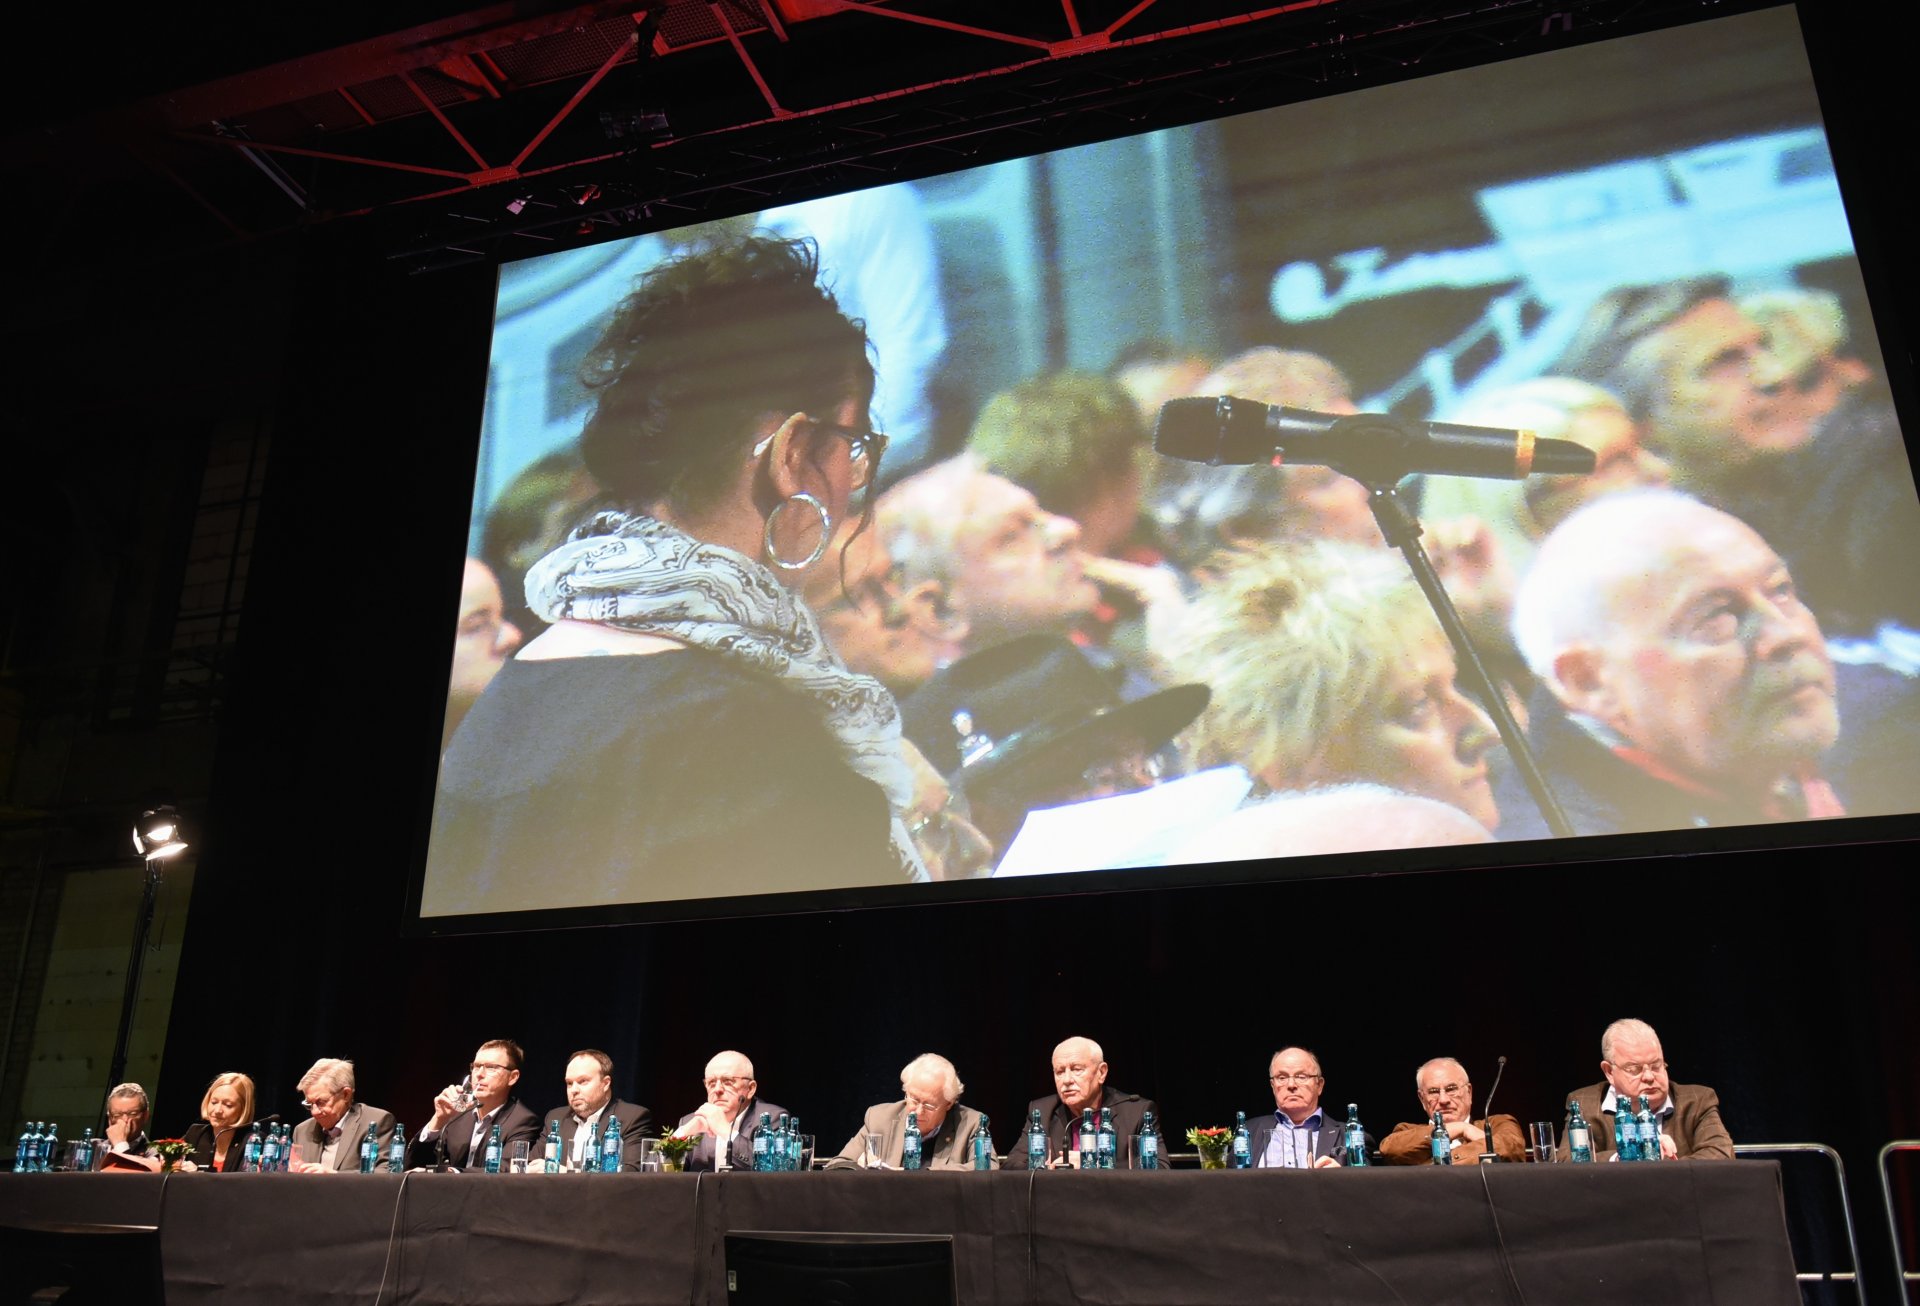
(930, 1091)
(729, 1118)
(1635, 1066)
(590, 1103)
(1443, 1088)
(465, 1115)
(1298, 1135)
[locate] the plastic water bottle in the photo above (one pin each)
(397, 1150)
(762, 1141)
(255, 1148)
(369, 1150)
(1149, 1143)
(493, 1151)
(1036, 1143)
(1089, 1140)
(1108, 1141)
(1649, 1124)
(270, 1150)
(612, 1147)
(910, 1145)
(1355, 1138)
(982, 1146)
(1442, 1145)
(1579, 1136)
(1240, 1154)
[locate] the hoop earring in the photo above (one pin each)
(819, 550)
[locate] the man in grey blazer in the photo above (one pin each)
(930, 1091)
(1297, 1135)
(328, 1140)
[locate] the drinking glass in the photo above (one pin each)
(649, 1156)
(1540, 1135)
(806, 1151)
(872, 1158)
(517, 1162)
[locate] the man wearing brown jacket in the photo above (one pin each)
(1635, 1066)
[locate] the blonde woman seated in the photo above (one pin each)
(220, 1135)
(1328, 668)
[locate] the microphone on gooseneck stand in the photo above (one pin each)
(1487, 1155)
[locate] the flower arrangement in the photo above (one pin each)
(673, 1150)
(172, 1151)
(1212, 1145)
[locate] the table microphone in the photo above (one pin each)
(1487, 1155)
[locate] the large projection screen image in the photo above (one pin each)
(826, 549)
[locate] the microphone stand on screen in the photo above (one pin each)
(1380, 450)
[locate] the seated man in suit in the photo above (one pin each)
(930, 1090)
(590, 1105)
(1634, 1065)
(1298, 1135)
(126, 1145)
(328, 1140)
(1080, 1083)
(1443, 1087)
(729, 1118)
(459, 1130)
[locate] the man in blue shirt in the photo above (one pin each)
(1298, 1135)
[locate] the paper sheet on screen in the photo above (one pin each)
(1137, 829)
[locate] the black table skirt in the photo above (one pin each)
(1694, 1232)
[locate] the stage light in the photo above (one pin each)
(157, 834)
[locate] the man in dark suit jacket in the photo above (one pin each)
(1634, 1064)
(590, 1105)
(334, 1120)
(459, 1130)
(1310, 1139)
(1080, 1078)
(731, 1113)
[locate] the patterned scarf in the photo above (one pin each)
(640, 574)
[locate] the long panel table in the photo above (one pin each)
(1695, 1232)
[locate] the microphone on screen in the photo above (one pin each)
(1487, 1154)
(1376, 448)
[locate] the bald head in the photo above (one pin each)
(729, 1082)
(1079, 1073)
(1443, 1086)
(1341, 819)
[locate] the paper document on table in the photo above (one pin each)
(1137, 829)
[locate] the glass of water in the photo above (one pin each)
(872, 1159)
(517, 1159)
(1540, 1138)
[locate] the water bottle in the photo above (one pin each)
(1149, 1143)
(1108, 1141)
(23, 1150)
(493, 1151)
(1036, 1143)
(777, 1150)
(762, 1140)
(590, 1154)
(796, 1145)
(1240, 1154)
(270, 1151)
(397, 1150)
(1579, 1136)
(1355, 1137)
(255, 1148)
(552, 1153)
(1626, 1130)
(1089, 1141)
(1442, 1145)
(910, 1145)
(369, 1150)
(1649, 1125)
(982, 1146)
(83, 1158)
(286, 1147)
(612, 1147)
(49, 1149)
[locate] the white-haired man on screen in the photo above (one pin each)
(1635, 1066)
(1686, 682)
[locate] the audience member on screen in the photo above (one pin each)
(1080, 1085)
(683, 730)
(1442, 1086)
(1327, 667)
(1685, 681)
(465, 1116)
(529, 519)
(930, 1090)
(729, 1118)
(1632, 1064)
(1346, 818)
(1298, 1134)
(1009, 566)
(328, 1140)
(219, 1136)
(881, 625)
(483, 640)
(583, 1120)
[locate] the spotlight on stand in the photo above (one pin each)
(156, 837)
(157, 833)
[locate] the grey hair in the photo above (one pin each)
(1629, 1026)
(130, 1089)
(330, 1073)
(932, 1063)
(1437, 1061)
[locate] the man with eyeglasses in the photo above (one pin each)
(730, 1116)
(1080, 1084)
(1634, 1065)
(328, 1140)
(126, 1131)
(463, 1122)
(1442, 1086)
(1298, 1135)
